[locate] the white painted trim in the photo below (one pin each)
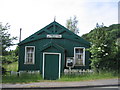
(33, 54)
(83, 55)
(59, 64)
(44, 62)
(43, 65)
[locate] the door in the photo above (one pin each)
(51, 65)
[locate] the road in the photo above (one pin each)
(75, 88)
(105, 84)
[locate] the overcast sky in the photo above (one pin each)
(32, 15)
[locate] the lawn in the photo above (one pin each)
(86, 77)
(28, 78)
(24, 78)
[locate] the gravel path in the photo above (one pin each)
(63, 84)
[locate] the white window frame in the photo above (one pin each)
(83, 56)
(25, 62)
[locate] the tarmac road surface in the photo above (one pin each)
(104, 84)
(77, 88)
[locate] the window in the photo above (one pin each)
(79, 56)
(29, 54)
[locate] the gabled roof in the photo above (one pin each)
(54, 28)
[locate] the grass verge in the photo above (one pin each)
(24, 78)
(29, 78)
(86, 77)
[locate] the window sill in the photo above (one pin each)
(79, 65)
(29, 63)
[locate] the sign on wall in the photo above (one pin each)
(70, 62)
(54, 36)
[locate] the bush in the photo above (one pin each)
(11, 67)
(9, 59)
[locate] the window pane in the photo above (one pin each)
(79, 56)
(28, 49)
(30, 60)
(77, 50)
(32, 49)
(31, 54)
(81, 50)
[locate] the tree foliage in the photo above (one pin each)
(7, 57)
(72, 24)
(104, 48)
(6, 39)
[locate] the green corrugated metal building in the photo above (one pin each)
(53, 49)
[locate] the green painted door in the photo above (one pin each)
(51, 66)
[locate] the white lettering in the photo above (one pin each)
(54, 36)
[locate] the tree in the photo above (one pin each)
(72, 25)
(103, 50)
(105, 56)
(6, 39)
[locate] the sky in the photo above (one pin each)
(33, 15)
